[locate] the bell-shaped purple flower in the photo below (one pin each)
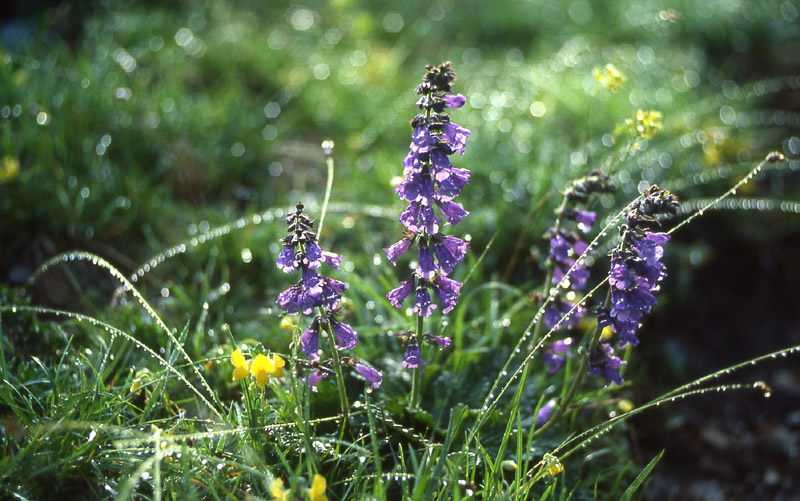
(447, 291)
(449, 252)
(309, 341)
(397, 249)
(451, 211)
(397, 295)
(412, 358)
(314, 378)
(603, 361)
(455, 135)
(313, 255)
(416, 187)
(454, 100)
(346, 337)
(286, 260)
(426, 267)
(450, 183)
(421, 218)
(372, 376)
(423, 305)
(544, 413)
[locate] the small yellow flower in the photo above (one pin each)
(609, 76)
(278, 491)
(607, 332)
(262, 368)
(645, 124)
(241, 371)
(317, 491)
(279, 363)
(9, 168)
(287, 324)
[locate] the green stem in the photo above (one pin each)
(337, 368)
(416, 382)
(328, 186)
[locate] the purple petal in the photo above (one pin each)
(451, 183)
(447, 292)
(449, 252)
(313, 255)
(416, 187)
(331, 259)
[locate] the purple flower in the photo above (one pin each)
(313, 255)
(286, 262)
(412, 358)
(397, 295)
(447, 292)
(416, 187)
(544, 413)
(441, 341)
(455, 135)
(558, 309)
(371, 375)
(346, 337)
(314, 378)
(397, 249)
(422, 302)
(603, 361)
(425, 259)
(451, 211)
(454, 100)
(553, 361)
(309, 341)
(331, 259)
(450, 183)
(449, 252)
(421, 218)
(585, 219)
(650, 250)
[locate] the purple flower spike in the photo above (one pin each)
(309, 341)
(397, 295)
(412, 359)
(422, 302)
(425, 259)
(603, 361)
(371, 375)
(286, 261)
(397, 249)
(454, 101)
(346, 337)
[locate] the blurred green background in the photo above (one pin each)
(130, 127)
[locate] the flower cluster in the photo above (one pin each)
(314, 291)
(430, 181)
(636, 270)
(262, 367)
(566, 247)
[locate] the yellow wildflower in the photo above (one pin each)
(241, 371)
(262, 368)
(644, 124)
(607, 332)
(279, 363)
(278, 491)
(609, 76)
(287, 324)
(9, 168)
(317, 491)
